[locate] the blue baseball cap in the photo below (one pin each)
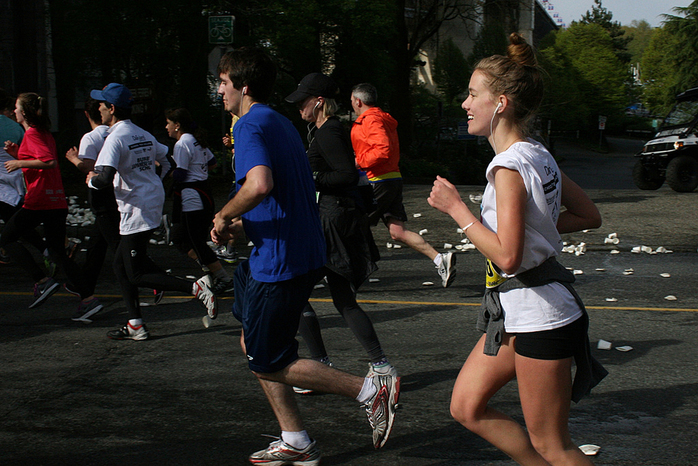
(116, 94)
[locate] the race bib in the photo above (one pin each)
(492, 277)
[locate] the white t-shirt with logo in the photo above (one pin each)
(190, 156)
(91, 143)
(545, 307)
(137, 187)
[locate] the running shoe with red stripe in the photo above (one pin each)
(280, 453)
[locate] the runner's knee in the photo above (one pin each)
(464, 412)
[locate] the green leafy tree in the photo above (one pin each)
(587, 78)
(640, 34)
(562, 91)
(660, 71)
(604, 18)
(685, 29)
(591, 52)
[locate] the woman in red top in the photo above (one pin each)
(44, 202)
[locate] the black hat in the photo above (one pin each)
(314, 84)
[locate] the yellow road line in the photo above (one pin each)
(378, 301)
(428, 303)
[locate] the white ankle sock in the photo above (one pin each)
(367, 391)
(438, 260)
(135, 323)
(298, 440)
(382, 367)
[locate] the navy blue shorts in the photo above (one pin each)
(559, 343)
(270, 313)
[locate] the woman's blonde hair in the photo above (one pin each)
(516, 76)
(330, 107)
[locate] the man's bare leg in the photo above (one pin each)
(398, 232)
(283, 403)
(308, 373)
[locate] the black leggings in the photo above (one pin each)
(344, 299)
(107, 220)
(134, 269)
(192, 233)
(25, 220)
(32, 236)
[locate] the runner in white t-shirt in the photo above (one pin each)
(193, 206)
(102, 203)
(91, 142)
(127, 162)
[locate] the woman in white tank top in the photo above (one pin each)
(520, 230)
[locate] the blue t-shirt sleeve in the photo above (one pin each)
(250, 150)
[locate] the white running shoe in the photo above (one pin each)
(129, 332)
(381, 408)
(280, 453)
(203, 291)
(447, 269)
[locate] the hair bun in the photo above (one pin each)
(519, 51)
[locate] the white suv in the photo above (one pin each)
(673, 153)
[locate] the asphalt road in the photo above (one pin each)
(185, 397)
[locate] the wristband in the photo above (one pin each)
(469, 225)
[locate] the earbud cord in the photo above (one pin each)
(492, 132)
(311, 134)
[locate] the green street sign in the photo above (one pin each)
(220, 29)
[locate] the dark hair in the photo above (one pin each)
(34, 110)
(251, 67)
(120, 113)
(518, 77)
(7, 102)
(367, 93)
(187, 124)
(92, 109)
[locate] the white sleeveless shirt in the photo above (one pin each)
(545, 307)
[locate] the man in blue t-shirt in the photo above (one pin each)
(275, 206)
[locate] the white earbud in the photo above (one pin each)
(494, 144)
(317, 105)
(244, 90)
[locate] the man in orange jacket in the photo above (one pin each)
(377, 151)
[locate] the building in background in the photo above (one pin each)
(531, 18)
